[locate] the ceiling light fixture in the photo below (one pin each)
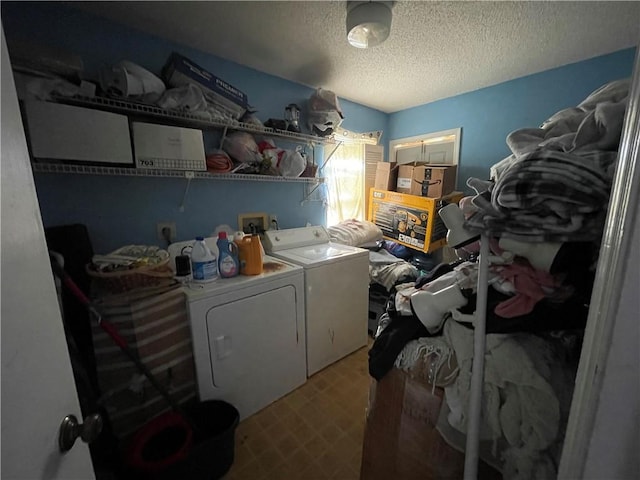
(368, 23)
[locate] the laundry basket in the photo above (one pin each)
(154, 272)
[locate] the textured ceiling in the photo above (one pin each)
(435, 49)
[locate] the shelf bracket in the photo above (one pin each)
(335, 149)
(308, 195)
(189, 176)
(224, 136)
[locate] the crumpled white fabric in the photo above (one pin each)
(387, 269)
(519, 404)
(464, 275)
(595, 124)
(354, 232)
(433, 351)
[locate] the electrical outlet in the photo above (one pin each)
(166, 231)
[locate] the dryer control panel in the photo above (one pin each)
(277, 240)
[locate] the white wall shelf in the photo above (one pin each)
(140, 172)
(174, 117)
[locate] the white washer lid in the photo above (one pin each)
(314, 255)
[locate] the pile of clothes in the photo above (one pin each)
(544, 211)
(555, 185)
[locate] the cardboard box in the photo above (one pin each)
(69, 133)
(433, 181)
(386, 176)
(165, 147)
(401, 439)
(179, 71)
(410, 220)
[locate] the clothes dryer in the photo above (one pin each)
(336, 291)
(249, 336)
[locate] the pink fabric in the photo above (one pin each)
(531, 286)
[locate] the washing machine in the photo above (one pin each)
(248, 335)
(336, 279)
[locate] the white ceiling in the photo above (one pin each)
(435, 50)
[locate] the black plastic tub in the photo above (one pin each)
(210, 453)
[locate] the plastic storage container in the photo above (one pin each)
(204, 264)
(228, 263)
(207, 453)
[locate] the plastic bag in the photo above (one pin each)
(130, 80)
(324, 100)
(325, 114)
(324, 123)
(278, 161)
(242, 147)
(188, 97)
(291, 164)
(43, 88)
(250, 118)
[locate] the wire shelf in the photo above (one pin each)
(186, 118)
(140, 172)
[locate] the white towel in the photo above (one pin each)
(519, 404)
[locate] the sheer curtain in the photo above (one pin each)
(344, 176)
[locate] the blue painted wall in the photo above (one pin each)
(120, 210)
(123, 210)
(488, 115)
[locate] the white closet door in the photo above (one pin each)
(409, 154)
(38, 389)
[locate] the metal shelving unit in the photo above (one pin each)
(183, 118)
(143, 172)
(179, 118)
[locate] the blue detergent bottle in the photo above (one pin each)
(228, 263)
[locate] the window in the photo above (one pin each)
(437, 148)
(344, 175)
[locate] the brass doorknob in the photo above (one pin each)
(70, 430)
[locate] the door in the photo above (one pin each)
(38, 390)
(603, 434)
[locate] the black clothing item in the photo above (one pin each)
(391, 341)
(436, 272)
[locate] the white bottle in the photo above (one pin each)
(204, 265)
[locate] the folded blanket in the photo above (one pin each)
(547, 195)
(556, 184)
(355, 232)
(595, 124)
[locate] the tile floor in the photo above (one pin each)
(315, 432)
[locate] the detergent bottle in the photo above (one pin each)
(251, 252)
(203, 262)
(228, 263)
